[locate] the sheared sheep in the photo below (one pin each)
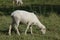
(21, 16)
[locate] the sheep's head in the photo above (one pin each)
(43, 30)
(42, 27)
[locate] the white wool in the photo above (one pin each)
(25, 16)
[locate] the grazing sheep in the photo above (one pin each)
(18, 2)
(21, 16)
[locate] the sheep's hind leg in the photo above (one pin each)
(10, 30)
(16, 26)
(10, 27)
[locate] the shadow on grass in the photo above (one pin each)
(4, 31)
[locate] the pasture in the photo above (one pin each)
(48, 12)
(52, 24)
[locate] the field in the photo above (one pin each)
(52, 24)
(47, 11)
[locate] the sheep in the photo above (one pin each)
(21, 16)
(18, 2)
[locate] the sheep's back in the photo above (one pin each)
(25, 16)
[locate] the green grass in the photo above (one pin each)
(52, 24)
(28, 2)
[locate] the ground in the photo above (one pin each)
(52, 24)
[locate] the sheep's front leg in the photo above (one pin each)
(27, 28)
(31, 30)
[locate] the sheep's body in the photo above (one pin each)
(18, 2)
(26, 18)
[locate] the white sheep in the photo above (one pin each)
(26, 18)
(18, 2)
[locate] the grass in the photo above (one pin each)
(28, 2)
(52, 24)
